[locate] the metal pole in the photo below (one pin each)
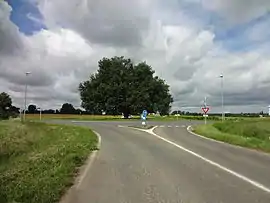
(40, 114)
(222, 98)
(205, 113)
(20, 114)
(25, 94)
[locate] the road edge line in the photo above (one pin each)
(217, 165)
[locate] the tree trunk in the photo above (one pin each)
(126, 113)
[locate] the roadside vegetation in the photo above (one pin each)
(38, 161)
(252, 133)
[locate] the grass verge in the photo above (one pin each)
(38, 161)
(253, 134)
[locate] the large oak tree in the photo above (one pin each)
(119, 86)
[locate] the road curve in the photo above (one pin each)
(136, 167)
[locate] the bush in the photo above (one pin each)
(4, 115)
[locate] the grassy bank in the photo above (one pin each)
(253, 134)
(38, 161)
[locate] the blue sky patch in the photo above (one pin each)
(26, 16)
(239, 37)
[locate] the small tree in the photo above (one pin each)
(32, 108)
(5, 104)
(67, 109)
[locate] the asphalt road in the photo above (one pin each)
(137, 167)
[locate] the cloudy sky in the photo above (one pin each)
(189, 43)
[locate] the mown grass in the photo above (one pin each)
(253, 134)
(38, 161)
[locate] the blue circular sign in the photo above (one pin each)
(144, 113)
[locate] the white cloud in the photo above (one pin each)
(181, 51)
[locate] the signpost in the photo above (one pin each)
(39, 113)
(205, 109)
(143, 117)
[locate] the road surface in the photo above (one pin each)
(137, 167)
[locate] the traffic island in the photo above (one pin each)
(145, 127)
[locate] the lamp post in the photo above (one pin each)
(25, 94)
(222, 97)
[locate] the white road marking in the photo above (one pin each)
(162, 126)
(177, 126)
(238, 175)
(183, 126)
(169, 126)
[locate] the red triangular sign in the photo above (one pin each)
(205, 109)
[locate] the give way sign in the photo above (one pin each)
(205, 109)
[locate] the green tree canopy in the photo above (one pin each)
(119, 86)
(5, 104)
(32, 108)
(67, 109)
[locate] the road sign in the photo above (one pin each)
(144, 113)
(205, 109)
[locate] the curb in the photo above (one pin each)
(71, 194)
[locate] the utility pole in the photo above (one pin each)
(222, 98)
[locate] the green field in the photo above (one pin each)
(111, 117)
(253, 134)
(38, 161)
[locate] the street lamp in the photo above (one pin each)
(25, 94)
(222, 97)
